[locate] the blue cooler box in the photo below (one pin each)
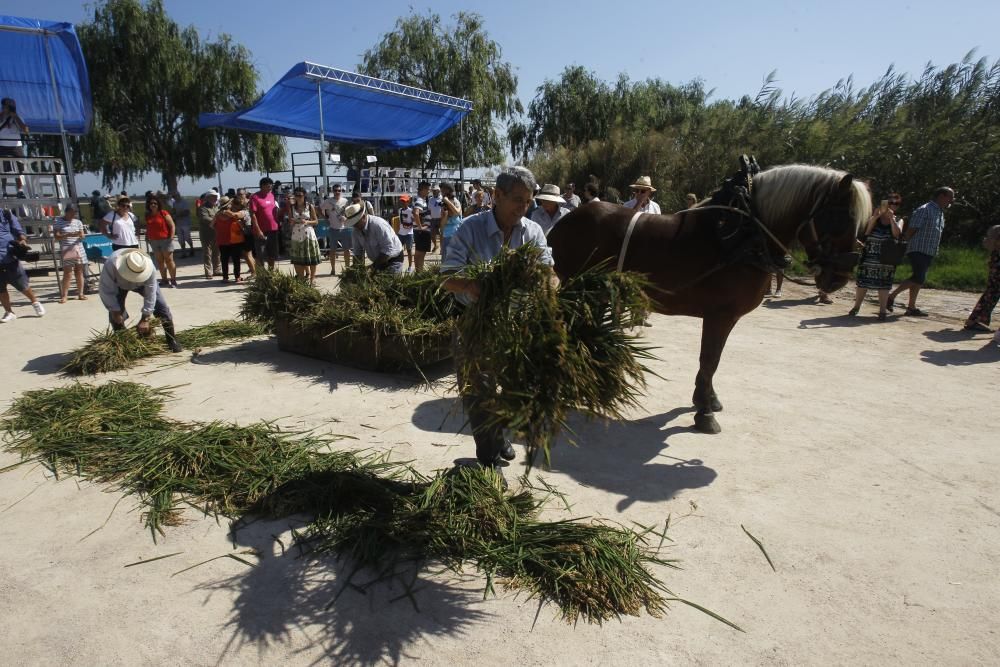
(98, 247)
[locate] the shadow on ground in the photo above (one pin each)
(265, 352)
(355, 617)
(987, 354)
(48, 364)
(845, 320)
(625, 458)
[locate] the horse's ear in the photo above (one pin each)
(845, 184)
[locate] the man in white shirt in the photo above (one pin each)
(551, 207)
(332, 209)
(373, 237)
(434, 207)
(570, 196)
(642, 191)
(131, 270)
(119, 225)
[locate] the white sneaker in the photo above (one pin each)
(8, 317)
(39, 309)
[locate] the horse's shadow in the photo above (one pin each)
(989, 353)
(362, 617)
(621, 457)
(265, 352)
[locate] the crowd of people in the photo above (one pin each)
(240, 230)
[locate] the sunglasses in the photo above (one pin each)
(895, 203)
(641, 191)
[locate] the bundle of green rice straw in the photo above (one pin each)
(377, 512)
(551, 351)
(410, 310)
(109, 350)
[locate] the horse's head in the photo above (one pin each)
(830, 234)
(820, 208)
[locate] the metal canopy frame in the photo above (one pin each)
(325, 73)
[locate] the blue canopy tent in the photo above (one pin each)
(43, 70)
(316, 102)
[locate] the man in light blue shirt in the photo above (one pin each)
(924, 236)
(373, 237)
(481, 238)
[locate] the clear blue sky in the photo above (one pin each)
(729, 45)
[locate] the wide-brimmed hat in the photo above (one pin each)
(550, 193)
(643, 182)
(210, 193)
(224, 201)
(134, 265)
(354, 212)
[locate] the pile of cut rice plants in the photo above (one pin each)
(377, 512)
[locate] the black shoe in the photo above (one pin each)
(507, 452)
(174, 345)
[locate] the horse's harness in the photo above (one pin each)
(743, 238)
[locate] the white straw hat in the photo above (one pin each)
(643, 182)
(134, 265)
(550, 193)
(354, 212)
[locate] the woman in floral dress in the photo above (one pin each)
(304, 253)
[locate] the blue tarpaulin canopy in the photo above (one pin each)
(42, 69)
(316, 102)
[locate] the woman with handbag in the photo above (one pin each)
(69, 231)
(979, 318)
(304, 250)
(878, 265)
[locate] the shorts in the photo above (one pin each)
(422, 240)
(13, 274)
(267, 247)
(435, 225)
(73, 257)
(11, 151)
(161, 245)
(920, 263)
(341, 236)
(406, 240)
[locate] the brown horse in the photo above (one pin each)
(691, 272)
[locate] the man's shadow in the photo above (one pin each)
(622, 457)
(788, 303)
(364, 617)
(841, 320)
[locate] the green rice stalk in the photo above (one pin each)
(375, 511)
(118, 350)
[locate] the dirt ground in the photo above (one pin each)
(863, 454)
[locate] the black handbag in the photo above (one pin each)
(892, 251)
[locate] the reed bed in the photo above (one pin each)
(549, 351)
(375, 511)
(109, 350)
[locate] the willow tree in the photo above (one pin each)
(458, 60)
(150, 79)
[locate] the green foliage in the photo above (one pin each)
(150, 79)
(458, 59)
(910, 136)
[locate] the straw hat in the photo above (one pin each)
(134, 265)
(353, 213)
(224, 201)
(643, 182)
(550, 193)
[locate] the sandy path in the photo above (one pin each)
(863, 454)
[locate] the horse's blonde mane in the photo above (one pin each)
(781, 191)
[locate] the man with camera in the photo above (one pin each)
(13, 247)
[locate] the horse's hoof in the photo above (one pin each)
(706, 423)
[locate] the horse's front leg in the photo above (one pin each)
(715, 330)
